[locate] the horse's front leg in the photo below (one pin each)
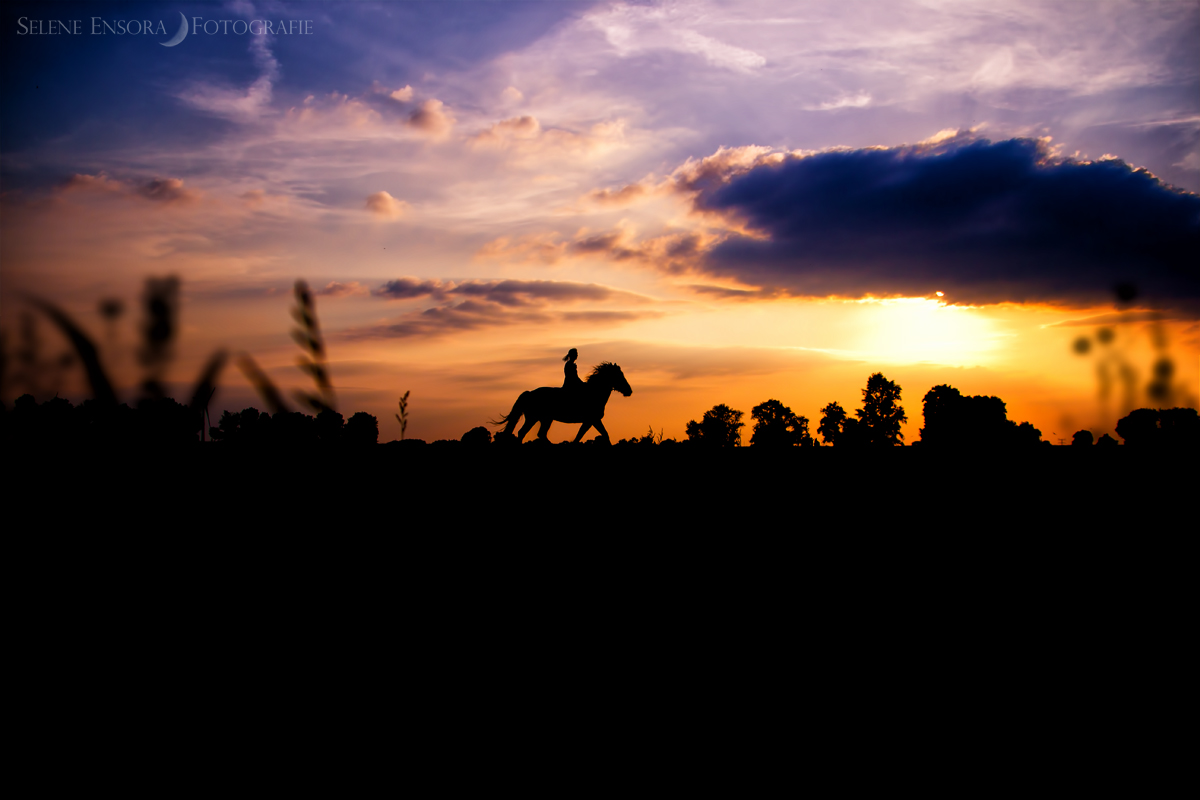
(582, 430)
(542, 431)
(600, 427)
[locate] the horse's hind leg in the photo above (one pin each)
(525, 428)
(582, 430)
(542, 431)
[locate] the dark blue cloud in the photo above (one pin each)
(983, 222)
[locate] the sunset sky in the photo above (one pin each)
(734, 201)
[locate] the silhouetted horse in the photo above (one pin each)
(585, 405)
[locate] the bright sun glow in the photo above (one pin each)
(909, 330)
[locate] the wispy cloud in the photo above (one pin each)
(338, 289)
(859, 100)
(472, 315)
(474, 304)
(504, 292)
(1118, 318)
(239, 104)
(634, 29)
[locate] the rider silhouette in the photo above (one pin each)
(571, 380)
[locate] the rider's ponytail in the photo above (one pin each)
(571, 355)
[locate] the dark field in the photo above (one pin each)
(567, 489)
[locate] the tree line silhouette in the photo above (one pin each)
(951, 420)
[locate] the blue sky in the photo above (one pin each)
(1099, 77)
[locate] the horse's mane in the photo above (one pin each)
(602, 368)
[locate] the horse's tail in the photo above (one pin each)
(509, 420)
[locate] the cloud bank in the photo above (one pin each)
(982, 221)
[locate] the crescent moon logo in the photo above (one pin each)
(180, 35)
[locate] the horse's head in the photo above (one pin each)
(609, 375)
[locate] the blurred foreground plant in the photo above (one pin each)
(402, 417)
(161, 299)
(158, 331)
(158, 417)
(308, 336)
(1112, 345)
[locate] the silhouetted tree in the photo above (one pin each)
(942, 412)
(1027, 435)
(224, 428)
(720, 427)
(50, 423)
(1139, 428)
(1179, 426)
(1170, 427)
(330, 425)
(291, 428)
(881, 413)
(854, 433)
(1082, 439)
(101, 422)
(833, 418)
(155, 422)
(57, 420)
(1106, 441)
(956, 420)
(247, 426)
(477, 437)
(776, 426)
(163, 420)
(362, 428)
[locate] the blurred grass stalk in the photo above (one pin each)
(402, 417)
